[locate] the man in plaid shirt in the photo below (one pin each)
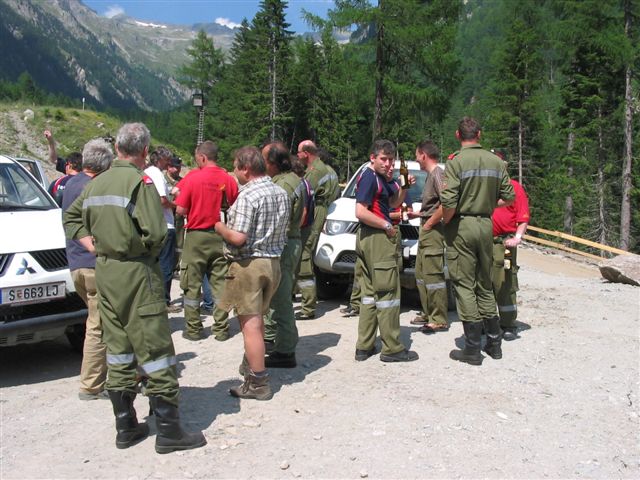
(254, 240)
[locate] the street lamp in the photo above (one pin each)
(197, 100)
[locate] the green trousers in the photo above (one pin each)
(380, 286)
(470, 260)
(202, 255)
(430, 280)
(505, 283)
(356, 291)
(280, 323)
(135, 326)
(306, 277)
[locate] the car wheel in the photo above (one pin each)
(327, 288)
(75, 335)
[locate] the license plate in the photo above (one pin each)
(32, 293)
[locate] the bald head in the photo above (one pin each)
(307, 151)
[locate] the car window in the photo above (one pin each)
(18, 190)
(415, 192)
(31, 166)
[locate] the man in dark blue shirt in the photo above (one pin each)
(96, 158)
(376, 245)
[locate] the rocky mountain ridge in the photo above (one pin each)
(114, 62)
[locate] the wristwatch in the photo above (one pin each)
(388, 226)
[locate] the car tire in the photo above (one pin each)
(75, 335)
(327, 288)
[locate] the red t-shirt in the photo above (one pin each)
(506, 219)
(201, 193)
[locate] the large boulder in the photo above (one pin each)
(622, 269)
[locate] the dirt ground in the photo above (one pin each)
(562, 403)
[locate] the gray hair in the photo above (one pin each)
(97, 155)
(251, 157)
(132, 139)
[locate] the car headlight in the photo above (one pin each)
(337, 227)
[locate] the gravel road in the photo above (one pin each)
(562, 403)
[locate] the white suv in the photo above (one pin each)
(335, 256)
(37, 296)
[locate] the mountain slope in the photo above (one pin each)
(120, 63)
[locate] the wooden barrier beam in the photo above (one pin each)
(566, 236)
(560, 246)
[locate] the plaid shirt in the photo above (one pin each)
(261, 211)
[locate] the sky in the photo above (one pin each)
(188, 12)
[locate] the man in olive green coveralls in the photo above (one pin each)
(476, 182)
(430, 279)
(280, 325)
(377, 246)
(118, 216)
(324, 182)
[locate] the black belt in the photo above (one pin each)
(211, 229)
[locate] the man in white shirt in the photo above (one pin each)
(158, 162)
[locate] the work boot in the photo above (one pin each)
(510, 333)
(472, 338)
(129, 430)
(254, 387)
(280, 360)
(494, 337)
(170, 435)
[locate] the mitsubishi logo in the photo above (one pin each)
(25, 268)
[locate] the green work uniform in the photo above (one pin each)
(121, 210)
(356, 291)
(380, 287)
(280, 323)
(475, 181)
(203, 255)
(505, 282)
(324, 182)
(430, 279)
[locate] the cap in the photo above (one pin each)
(176, 162)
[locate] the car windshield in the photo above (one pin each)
(19, 191)
(414, 193)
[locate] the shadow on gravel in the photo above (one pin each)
(200, 406)
(38, 362)
(308, 357)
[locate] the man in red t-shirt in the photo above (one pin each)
(200, 198)
(509, 225)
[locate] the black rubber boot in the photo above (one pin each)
(170, 435)
(280, 360)
(471, 352)
(494, 337)
(129, 430)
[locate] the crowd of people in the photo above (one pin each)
(244, 242)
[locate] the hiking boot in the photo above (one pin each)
(280, 360)
(493, 346)
(431, 328)
(305, 316)
(362, 355)
(222, 336)
(472, 338)
(349, 311)
(402, 356)
(171, 437)
(419, 320)
(129, 431)
(103, 395)
(254, 387)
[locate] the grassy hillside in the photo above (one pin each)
(72, 128)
